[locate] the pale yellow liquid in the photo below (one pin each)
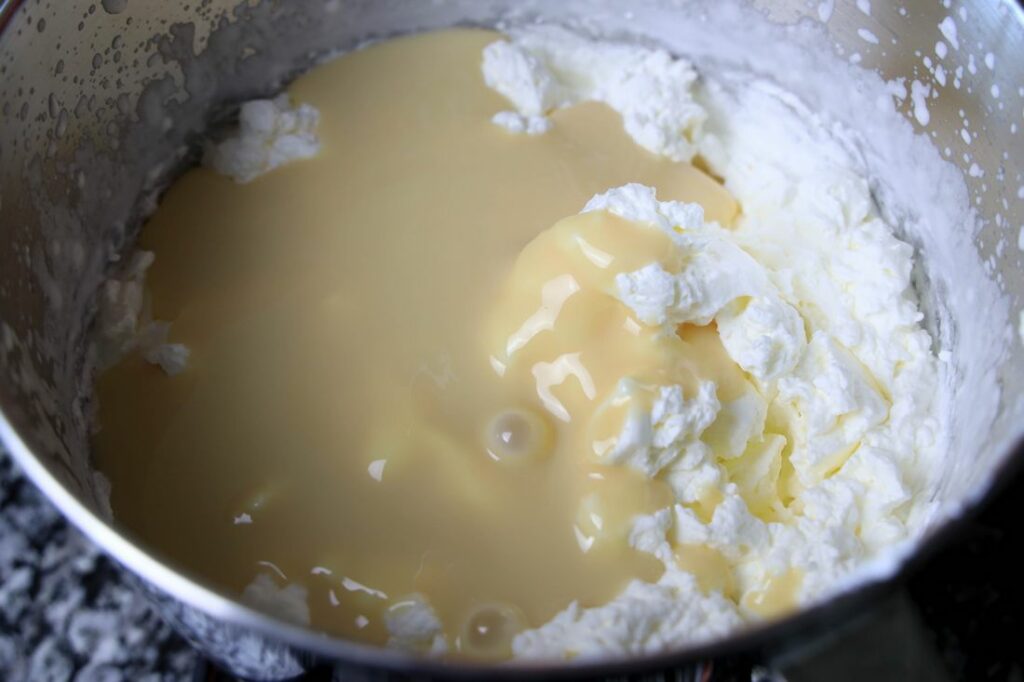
(341, 312)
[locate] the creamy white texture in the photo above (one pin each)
(763, 334)
(812, 296)
(120, 307)
(288, 602)
(645, 618)
(124, 325)
(172, 358)
(652, 440)
(856, 489)
(270, 134)
(809, 220)
(544, 68)
(517, 123)
(413, 626)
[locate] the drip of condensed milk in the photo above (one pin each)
(396, 367)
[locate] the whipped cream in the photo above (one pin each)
(120, 307)
(123, 324)
(414, 626)
(652, 440)
(811, 294)
(853, 494)
(519, 124)
(544, 68)
(172, 358)
(644, 618)
(270, 134)
(288, 602)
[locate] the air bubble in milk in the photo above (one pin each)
(517, 435)
(114, 6)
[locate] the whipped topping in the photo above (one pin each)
(172, 358)
(652, 440)
(288, 602)
(811, 295)
(644, 618)
(123, 324)
(544, 68)
(519, 124)
(763, 334)
(414, 626)
(120, 307)
(853, 493)
(270, 134)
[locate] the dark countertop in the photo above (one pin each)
(970, 595)
(66, 614)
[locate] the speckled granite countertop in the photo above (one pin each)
(65, 613)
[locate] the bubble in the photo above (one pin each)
(518, 435)
(114, 6)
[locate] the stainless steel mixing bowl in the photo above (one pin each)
(101, 99)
